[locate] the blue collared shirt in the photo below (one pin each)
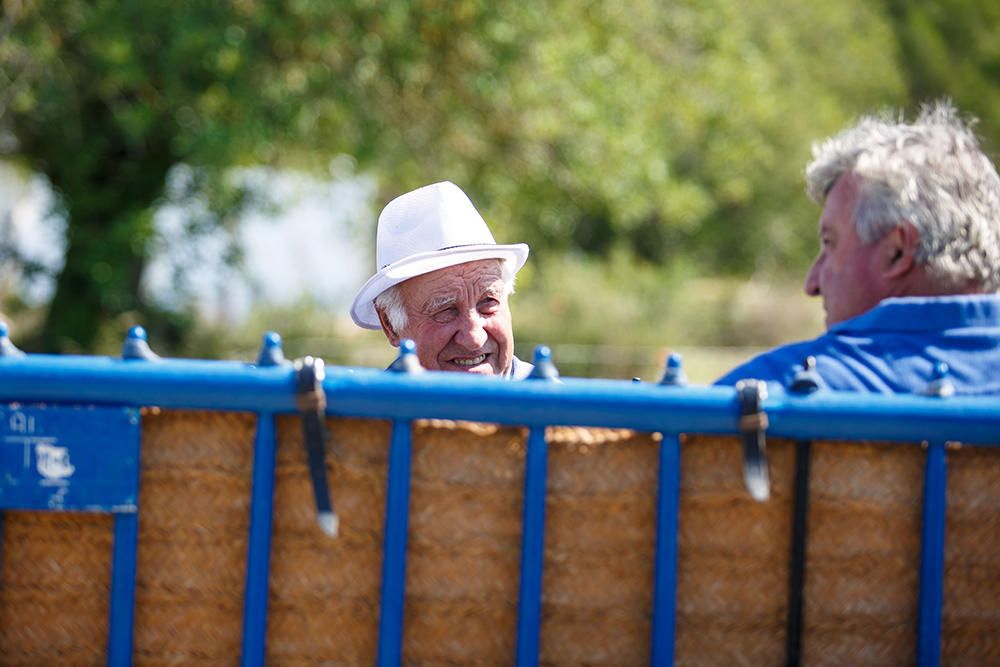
(895, 347)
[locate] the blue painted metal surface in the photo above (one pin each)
(668, 500)
(122, 608)
(397, 521)
(673, 372)
(227, 385)
(261, 519)
(69, 458)
(259, 543)
(529, 611)
(136, 347)
(7, 347)
(932, 556)
(271, 352)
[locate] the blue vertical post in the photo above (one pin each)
(529, 616)
(123, 570)
(932, 556)
(259, 543)
(529, 606)
(665, 567)
(256, 590)
(397, 519)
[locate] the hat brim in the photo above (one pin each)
(363, 309)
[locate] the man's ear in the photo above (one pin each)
(387, 329)
(899, 250)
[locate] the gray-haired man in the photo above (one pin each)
(909, 260)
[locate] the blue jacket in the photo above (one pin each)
(895, 347)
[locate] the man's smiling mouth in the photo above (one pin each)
(471, 361)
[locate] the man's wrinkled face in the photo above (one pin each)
(459, 318)
(846, 273)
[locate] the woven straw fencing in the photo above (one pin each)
(861, 585)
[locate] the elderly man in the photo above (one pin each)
(909, 261)
(443, 282)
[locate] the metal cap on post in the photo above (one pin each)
(136, 348)
(673, 372)
(940, 385)
(271, 351)
(407, 361)
(7, 348)
(544, 368)
(807, 379)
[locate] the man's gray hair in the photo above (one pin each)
(391, 300)
(931, 173)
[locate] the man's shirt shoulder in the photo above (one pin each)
(896, 347)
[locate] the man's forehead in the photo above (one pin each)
(482, 275)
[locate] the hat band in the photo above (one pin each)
(450, 247)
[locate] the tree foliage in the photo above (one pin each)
(675, 132)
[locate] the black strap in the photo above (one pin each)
(753, 423)
(310, 400)
(797, 563)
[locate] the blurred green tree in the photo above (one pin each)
(675, 132)
(106, 97)
(950, 48)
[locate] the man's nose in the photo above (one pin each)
(812, 280)
(471, 332)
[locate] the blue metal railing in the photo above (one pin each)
(268, 389)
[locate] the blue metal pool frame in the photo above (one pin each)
(267, 388)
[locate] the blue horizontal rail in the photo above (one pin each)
(226, 385)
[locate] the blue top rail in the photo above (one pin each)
(230, 385)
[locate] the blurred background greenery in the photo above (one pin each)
(650, 152)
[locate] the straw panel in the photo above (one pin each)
(54, 597)
(324, 593)
(463, 562)
(464, 549)
(734, 552)
(600, 534)
(194, 513)
(972, 559)
(863, 554)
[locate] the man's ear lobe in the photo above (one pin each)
(387, 329)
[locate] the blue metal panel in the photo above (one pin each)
(529, 611)
(69, 458)
(397, 520)
(259, 543)
(665, 573)
(123, 571)
(932, 556)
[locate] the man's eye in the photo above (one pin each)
(489, 305)
(446, 315)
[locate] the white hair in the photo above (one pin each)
(391, 303)
(932, 174)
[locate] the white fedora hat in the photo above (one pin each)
(430, 228)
